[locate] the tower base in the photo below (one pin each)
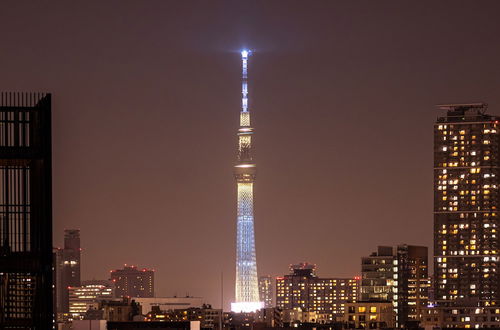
(246, 307)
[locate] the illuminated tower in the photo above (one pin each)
(247, 288)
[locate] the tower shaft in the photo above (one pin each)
(247, 290)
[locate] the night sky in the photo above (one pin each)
(146, 98)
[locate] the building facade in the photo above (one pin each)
(209, 318)
(466, 202)
(247, 288)
(369, 315)
(303, 291)
(25, 211)
(413, 283)
(377, 279)
(120, 311)
(266, 291)
(397, 275)
(471, 317)
(132, 282)
(88, 295)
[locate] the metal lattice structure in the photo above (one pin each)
(25, 211)
(247, 288)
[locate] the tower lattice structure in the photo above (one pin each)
(247, 288)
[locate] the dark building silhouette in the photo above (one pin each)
(67, 268)
(25, 211)
(131, 282)
(466, 206)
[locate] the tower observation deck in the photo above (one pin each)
(247, 289)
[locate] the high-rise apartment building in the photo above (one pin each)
(132, 282)
(398, 275)
(466, 202)
(266, 292)
(377, 279)
(412, 283)
(302, 290)
(25, 211)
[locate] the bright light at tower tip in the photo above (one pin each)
(245, 53)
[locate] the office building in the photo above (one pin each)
(397, 275)
(67, 268)
(304, 291)
(466, 202)
(247, 287)
(132, 282)
(87, 296)
(266, 292)
(25, 211)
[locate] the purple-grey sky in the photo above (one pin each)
(146, 96)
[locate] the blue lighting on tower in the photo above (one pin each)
(247, 293)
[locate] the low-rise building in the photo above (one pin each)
(169, 303)
(270, 317)
(209, 318)
(369, 315)
(460, 317)
(121, 311)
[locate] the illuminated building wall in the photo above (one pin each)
(466, 201)
(89, 294)
(378, 275)
(412, 283)
(132, 282)
(302, 290)
(400, 276)
(369, 315)
(247, 290)
(266, 292)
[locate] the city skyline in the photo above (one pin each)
(143, 118)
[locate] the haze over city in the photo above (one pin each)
(343, 102)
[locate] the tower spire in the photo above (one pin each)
(247, 290)
(245, 114)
